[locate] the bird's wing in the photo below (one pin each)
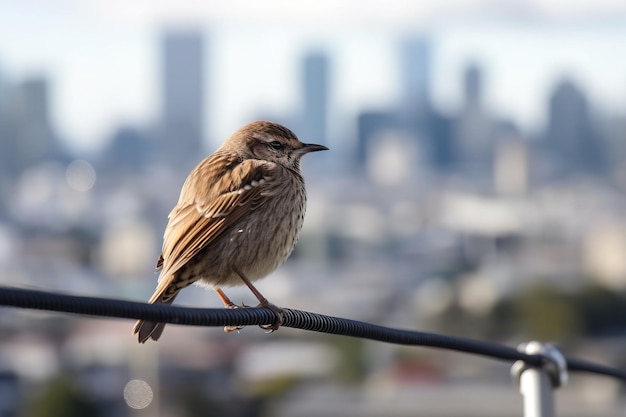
(225, 191)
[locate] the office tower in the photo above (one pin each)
(315, 88)
(431, 131)
(415, 67)
(33, 140)
(570, 133)
(474, 128)
(183, 96)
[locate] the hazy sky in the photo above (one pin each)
(102, 56)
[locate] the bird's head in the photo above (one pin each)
(270, 142)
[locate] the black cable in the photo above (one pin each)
(94, 306)
(580, 365)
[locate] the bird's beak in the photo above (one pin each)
(310, 147)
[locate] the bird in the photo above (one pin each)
(238, 218)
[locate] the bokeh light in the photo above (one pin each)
(80, 175)
(138, 394)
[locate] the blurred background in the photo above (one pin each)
(475, 187)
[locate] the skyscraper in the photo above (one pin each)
(415, 67)
(570, 132)
(183, 104)
(33, 139)
(315, 88)
(474, 135)
(429, 129)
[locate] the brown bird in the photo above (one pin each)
(237, 219)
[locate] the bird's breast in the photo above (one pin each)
(265, 238)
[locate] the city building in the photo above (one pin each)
(570, 133)
(183, 104)
(474, 134)
(315, 88)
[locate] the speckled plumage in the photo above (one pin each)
(240, 212)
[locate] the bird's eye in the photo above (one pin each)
(276, 145)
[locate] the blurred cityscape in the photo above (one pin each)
(461, 224)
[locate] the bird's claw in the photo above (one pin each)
(279, 318)
(230, 329)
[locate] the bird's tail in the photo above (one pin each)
(151, 329)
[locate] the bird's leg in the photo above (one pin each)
(225, 299)
(228, 304)
(278, 312)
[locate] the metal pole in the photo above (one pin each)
(536, 384)
(536, 388)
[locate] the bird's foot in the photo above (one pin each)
(279, 317)
(230, 329)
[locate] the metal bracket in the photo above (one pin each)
(554, 365)
(537, 383)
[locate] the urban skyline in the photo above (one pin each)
(443, 138)
(521, 60)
